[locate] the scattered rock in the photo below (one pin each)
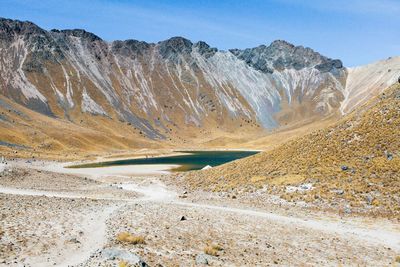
(207, 167)
(306, 187)
(389, 156)
(344, 168)
(369, 199)
(338, 191)
(74, 240)
(300, 188)
(347, 210)
(184, 194)
(183, 218)
(202, 259)
(131, 258)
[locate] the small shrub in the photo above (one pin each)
(217, 247)
(210, 251)
(397, 259)
(123, 264)
(213, 249)
(125, 237)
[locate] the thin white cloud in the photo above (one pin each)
(177, 18)
(366, 7)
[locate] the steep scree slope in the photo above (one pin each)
(174, 90)
(156, 87)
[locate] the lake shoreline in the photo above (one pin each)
(186, 160)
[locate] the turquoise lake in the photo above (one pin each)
(190, 160)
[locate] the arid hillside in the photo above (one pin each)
(69, 93)
(355, 162)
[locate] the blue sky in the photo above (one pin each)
(355, 31)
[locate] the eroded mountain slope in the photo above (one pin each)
(354, 162)
(365, 82)
(156, 87)
(175, 91)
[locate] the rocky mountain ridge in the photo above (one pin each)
(167, 88)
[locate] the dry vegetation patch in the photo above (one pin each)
(213, 250)
(126, 237)
(356, 161)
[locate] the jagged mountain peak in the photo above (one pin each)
(281, 44)
(174, 46)
(10, 28)
(280, 55)
(204, 49)
(91, 37)
(181, 83)
(177, 41)
(130, 47)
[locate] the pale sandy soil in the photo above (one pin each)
(47, 231)
(74, 220)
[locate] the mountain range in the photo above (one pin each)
(171, 91)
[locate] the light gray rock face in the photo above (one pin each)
(281, 55)
(177, 81)
(117, 254)
(202, 259)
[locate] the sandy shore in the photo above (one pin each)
(76, 215)
(127, 170)
(98, 173)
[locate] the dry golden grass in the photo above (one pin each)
(123, 264)
(217, 247)
(213, 249)
(125, 237)
(367, 141)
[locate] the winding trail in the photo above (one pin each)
(156, 192)
(95, 227)
(371, 234)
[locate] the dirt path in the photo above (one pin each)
(371, 233)
(94, 226)
(157, 192)
(376, 238)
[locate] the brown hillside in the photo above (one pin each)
(356, 161)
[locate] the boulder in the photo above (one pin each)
(338, 191)
(74, 240)
(202, 259)
(347, 210)
(2, 167)
(131, 258)
(369, 199)
(389, 156)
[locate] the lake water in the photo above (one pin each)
(193, 160)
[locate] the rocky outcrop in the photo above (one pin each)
(281, 55)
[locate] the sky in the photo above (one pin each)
(356, 31)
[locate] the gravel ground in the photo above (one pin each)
(43, 231)
(245, 241)
(178, 229)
